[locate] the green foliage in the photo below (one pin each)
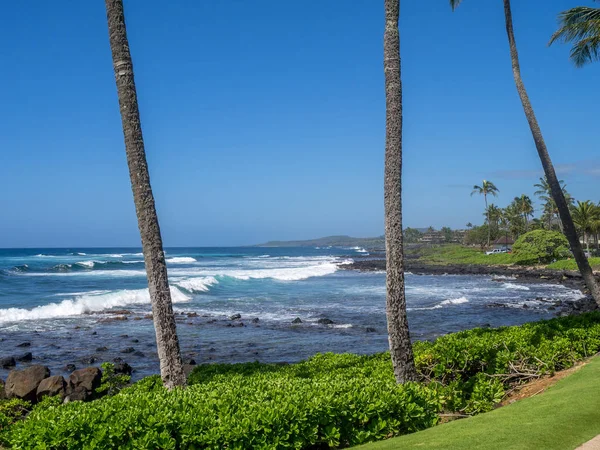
(111, 382)
(11, 411)
(570, 264)
(457, 254)
(541, 246)
(327, 401)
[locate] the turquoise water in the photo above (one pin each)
(60, 301)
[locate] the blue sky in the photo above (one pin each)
(265, 119)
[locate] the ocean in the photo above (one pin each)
(59, 305)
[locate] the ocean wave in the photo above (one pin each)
(181, 260)
(455, 301)
(196, 284)
(518, 287)
(86, 303)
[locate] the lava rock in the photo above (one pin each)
(83, 383)
(89, 360)
(128, 350)
(192, 314)
(101, 349)
(52, 386)
(189, 361)
(371, 330)
(123, 368)
(255, 320)
(297, 320)
(24, 344)
(26, 357)
(325, 321)
(7, 363)
(135, 341)
(23, 384)
(235, 317)
(70, 368)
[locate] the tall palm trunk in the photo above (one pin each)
(399, 336)
(557, 193)
(488, 219)
(164, 321)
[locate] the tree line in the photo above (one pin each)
(579, 25)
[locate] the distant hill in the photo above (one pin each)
(333, 241)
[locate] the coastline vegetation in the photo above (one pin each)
(330, 400)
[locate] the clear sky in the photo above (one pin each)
(264, 119)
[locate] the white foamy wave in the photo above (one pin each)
(196, 284)
(455, 301)
(80, 254)
(87, 264)
(85, 304)
(181, 260)
(502, 277)
(518, 287)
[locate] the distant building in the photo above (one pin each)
(504, 241)
(433, 237)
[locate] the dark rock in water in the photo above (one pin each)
(23, 384)
(54, 346)
(496, 305)
(135, 341)
(228, 325)
(113, 319)
(27, 357)
(118, 360)
(212, 350)
(124, 336)
(138, 353)
(52, 386)
(255, 320)
(525, 306)
(2, 393)
(94, 333)
(235, 317)
(70, 368)
(83, 383)
(148, 316)
(89, 360)
(24, 344)
(118, 312)
(297, 320)
(371, 330)
(241, 324)
(486, 325)
(138, 318)
(101, 349)
(325, 321)
(7, 363)
(189, 361)
(211, 321)
(123, 368)
(128, 350)
(192, 314)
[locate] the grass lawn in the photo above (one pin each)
(570, 264)
(457, 254)
(564, 417)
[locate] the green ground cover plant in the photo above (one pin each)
(328, 401)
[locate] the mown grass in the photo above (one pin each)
(457, 254)
(570, 264)
(564, 417)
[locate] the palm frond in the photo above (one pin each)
(586, 51)
(580, 26)
(454, 4)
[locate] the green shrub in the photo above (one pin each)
(327, 401)
(541, 246)
(111, 382)
(11, 411)
(570, 264)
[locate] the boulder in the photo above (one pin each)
(52, 386)
(83, 383)
(27, 357)
(70, 368)
(101, 349)
(235, 317)
(128, 350)
(255, 320)
(325, 321)
(122, 368)
(371, 330)
(190, 361)
(23, 384)
(24, 344)
(297, 320)
(7, 363)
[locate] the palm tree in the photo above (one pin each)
(399, 336)
(557, 194)
(486, 188)
(580, 26)
(167, 343)
(544, 193)
(525, 207)
(586, 216)
(493, 214)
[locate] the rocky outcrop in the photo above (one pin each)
(52, 386)
(23, 384)
(7, 363)
(83, 384)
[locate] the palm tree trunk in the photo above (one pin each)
(487, 212)
(167, 343)
(398, 333)
(557, 193)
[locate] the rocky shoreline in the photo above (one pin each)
(567, 278)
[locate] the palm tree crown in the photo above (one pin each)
(581, 27)
(486, 188)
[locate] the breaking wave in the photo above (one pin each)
(181, 260)
(518, 287)
(86, 303)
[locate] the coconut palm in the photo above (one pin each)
(586, 216)
(399, 336)
(557, 194)
(493, 215)
(581, 27)
(167, 343)
(486, 188)
(524, 207)
(544, 193)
